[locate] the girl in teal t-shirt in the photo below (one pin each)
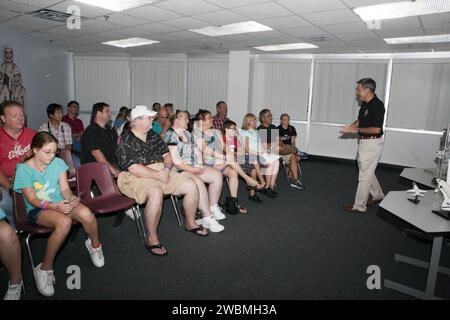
(49, 202)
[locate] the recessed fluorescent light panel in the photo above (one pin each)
(421, 39)
(234, 28)
(287, 46)
(130, 42)
(117, 5)
(402, 9)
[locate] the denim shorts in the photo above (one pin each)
(33, 215)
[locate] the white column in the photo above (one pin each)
(238, 85)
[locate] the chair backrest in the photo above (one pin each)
(20, 213)
(98, 174)
(67, 157)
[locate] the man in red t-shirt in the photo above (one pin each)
(71, 118)
(15, 142)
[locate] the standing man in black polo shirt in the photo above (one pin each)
(369, 126)
(99, 143)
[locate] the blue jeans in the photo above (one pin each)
(7, 206)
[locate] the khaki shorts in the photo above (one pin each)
(138, 188)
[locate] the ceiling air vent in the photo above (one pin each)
(51, 15)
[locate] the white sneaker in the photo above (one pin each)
(211, 223)
(129, 213)
(14, 291)
(218, 214)
(44, 281)
(96, 254)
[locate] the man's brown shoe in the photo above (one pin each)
(349, 208)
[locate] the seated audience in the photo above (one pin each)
(54, 125)
(269, 141)
(15, 143)
(121, 117)
(156, 107)
(183, 152)
(49, 202)
(288, 150)
(126, 125)
(162, 123)
(99, 141)
(11, 258)
(208, 141)
(71, 118)
(169, 108)
(234, 151)
(253, 147)
(221, 115)
(149, 174)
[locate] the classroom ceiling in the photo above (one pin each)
(169, 21)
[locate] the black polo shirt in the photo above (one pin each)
(265, 133)
(98, 138)
(371, 114)
(133, 150)
(287, 134)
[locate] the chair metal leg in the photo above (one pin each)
(177, 209)
(300, 173)
(140, 224)
(119, 219)
(30, 254)
(285, 169)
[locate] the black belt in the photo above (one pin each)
(369, 137)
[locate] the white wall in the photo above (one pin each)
(45, 72)
(285, 83)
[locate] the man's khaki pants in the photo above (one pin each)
(369, 153)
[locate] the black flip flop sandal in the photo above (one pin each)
(156, 246)
(196, 230)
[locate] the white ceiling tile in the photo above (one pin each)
(47, 37)
(272, 35)
(5, 15)
(16, 6)
(345, 27)
(401, 23)
(438, 19)
(27, 23)
(86, 10)
(235, 3)
(263, 11)
(332, 17)
(153, 28)
(306, 32)
(152, 13)
(400, 33)
(220, 17)
(357, 36)
(186, 23)
(38, 3)
(308, 6)
(437, 30)
(337, 50)
(237, 37)
(186, 35)
(123, 20)
(188, 7)
(363, 3)
(285, 22)
(330, 43)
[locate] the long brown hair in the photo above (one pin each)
(40, 139)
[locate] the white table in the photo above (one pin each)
(419, 175)
(420, 216)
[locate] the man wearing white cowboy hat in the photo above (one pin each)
(149, 174)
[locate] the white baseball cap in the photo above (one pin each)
(139, 111)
